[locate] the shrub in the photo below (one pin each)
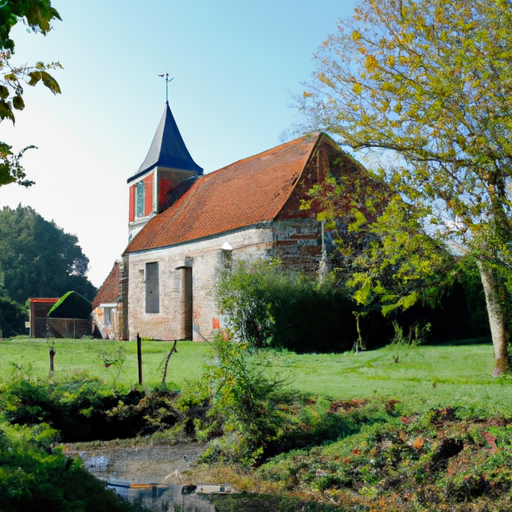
(12, 317)
(267, 306)
(82, 408)
(243, 401)
(34, 477)
(253, 415)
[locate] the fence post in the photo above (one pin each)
(52, 356)
(139, 357)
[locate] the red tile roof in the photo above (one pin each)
(246, 193)
(109, 290)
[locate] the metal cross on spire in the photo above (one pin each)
(167, 80)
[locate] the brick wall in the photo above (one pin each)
(297, 239)
(297, 243)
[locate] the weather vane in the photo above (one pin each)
(167, 80)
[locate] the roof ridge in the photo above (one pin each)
(246, 192)
(298, 140)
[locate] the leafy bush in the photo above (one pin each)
(34, 477)
(71, 305)
(267, 306)
(12, 317)
(254, 415)
(243, 402)
(82, 408)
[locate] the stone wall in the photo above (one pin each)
(205, 258)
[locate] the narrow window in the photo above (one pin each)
(108, 314)
(152, 288)
(139, 198)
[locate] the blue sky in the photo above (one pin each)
(236, 66)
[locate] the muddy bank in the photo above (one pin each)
(166, 466)
(159, 464)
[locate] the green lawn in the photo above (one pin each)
(31, 356)
(422, 378)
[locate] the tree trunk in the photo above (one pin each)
(496, 318)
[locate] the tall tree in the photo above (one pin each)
(38, 259)
(431, 81)
(380, 251)
(38, 16)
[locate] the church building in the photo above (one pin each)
(186, 226)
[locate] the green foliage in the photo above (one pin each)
(254, 415)
(401, 264)
(381, 253)
(243, 400)
(441, 460)
(38, 259)
(241, 295)
(38, 16)
(12, 317)
(421, 78)
(83, 408)
(71, 305)
(267, 306)
(11, 170)
(417, 334)
(472, 283)
(427, 82)
(35, 477)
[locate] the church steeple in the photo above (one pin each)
(168, 149)
(167, 164)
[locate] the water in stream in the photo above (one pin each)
(170, 498)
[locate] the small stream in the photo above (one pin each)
(151, 474)
(163, 498)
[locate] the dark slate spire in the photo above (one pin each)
(168, 149)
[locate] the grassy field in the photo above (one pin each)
(30, 356)
(419, 377)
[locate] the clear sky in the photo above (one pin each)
(236, 66)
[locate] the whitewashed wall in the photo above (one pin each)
(205, 258)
